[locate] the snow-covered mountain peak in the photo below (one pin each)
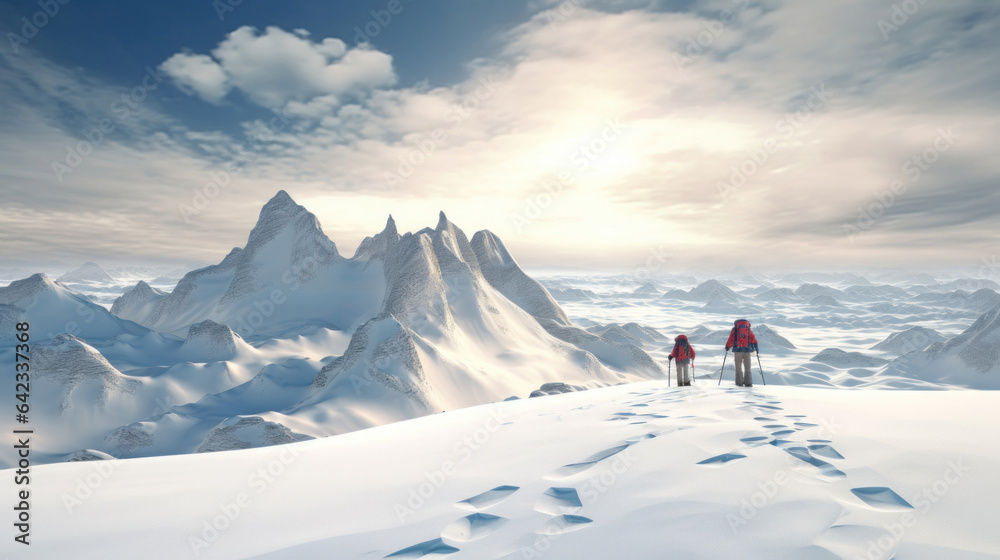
(88, 272)
(708, 291)
(451, 243)
(281, 201)
(281, 213)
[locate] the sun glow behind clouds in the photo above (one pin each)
(537, 162)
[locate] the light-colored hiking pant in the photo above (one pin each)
(743, 373)
(683, 371)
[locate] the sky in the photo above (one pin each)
(584, 133)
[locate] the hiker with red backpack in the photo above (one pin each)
(743, 342)
(684, 354)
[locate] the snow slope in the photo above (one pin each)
(637, 471)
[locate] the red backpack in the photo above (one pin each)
(682, 349)
(742, 339)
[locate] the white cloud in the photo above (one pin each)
(198, 74)
(275, 68)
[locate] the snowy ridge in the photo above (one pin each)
(502, 272)
(54, 310)
(978, 347)
(378, 243)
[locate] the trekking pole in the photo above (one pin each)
(694, 374)
(723, 370)
(761, 368)
(669, 363)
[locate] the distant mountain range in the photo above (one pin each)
(286, 339)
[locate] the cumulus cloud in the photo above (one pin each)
(275, 67)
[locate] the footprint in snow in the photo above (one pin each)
(559, 501)
(487, 499)
(637, 439)
(472, 527)
(803, 454)
(572, 469)
(882, 498)
(720, 460)
(825, 450)
(435, 546)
